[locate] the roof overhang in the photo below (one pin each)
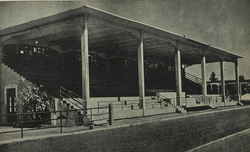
(111, 34)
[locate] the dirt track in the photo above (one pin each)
(172, 135)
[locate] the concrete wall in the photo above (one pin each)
(9, 79)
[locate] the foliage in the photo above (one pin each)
(212, 77)
(30, 98)
(241, 77)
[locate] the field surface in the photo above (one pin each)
(171, 135)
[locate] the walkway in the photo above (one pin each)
(55, 132)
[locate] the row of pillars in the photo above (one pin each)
(85, 71)
(223, 92)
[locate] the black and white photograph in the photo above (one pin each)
(125, 76)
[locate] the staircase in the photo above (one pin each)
(39, 65)
(10, 76)
(192, 85)
(70, 104)
(73, 100)
(166, 101)
(193, 78)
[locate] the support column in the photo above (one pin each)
(223, 94)
(178, 76)
(141, 75)
(237, 81)
(203, 74)
(85, 62)
(2, 119)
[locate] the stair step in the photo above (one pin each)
(100, 122)
(180, 109)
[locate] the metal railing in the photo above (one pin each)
(135, 105)
(201, 100)
(124, 104)
(71, 97)
(161, 97)
(193, 78)
(73, 117)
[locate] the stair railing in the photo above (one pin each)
(65, 93)
(193, 78)
(160, 98)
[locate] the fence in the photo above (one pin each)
(123, 105)
(200, 100)
(134, 104)
(131, 108)
(57, 119)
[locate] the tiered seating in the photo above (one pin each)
(108, 77)
(39, 65)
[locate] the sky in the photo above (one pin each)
(222, 23)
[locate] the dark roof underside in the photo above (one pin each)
(113, 35)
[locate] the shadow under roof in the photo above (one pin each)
(158, 47)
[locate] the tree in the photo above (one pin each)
(212, 77)
(241, 77)
(33, 103)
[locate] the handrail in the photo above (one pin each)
(70, 91)
(75, 104)
(159, 95)
(193, 78)
(72, 97)
(65, 93)
(204, 100)
(22, 119)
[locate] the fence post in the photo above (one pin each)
(98, 106)
(186, 102)
(122, 105)
(110, 114)
(21, 125)
(91, 119)
(61, 121)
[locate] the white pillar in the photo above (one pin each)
(1, 85)
(178, 76)
(223, 94)
(203, 74)
(141, 75)
(85, 62)
(237, 83)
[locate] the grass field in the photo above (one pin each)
(172, 135)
